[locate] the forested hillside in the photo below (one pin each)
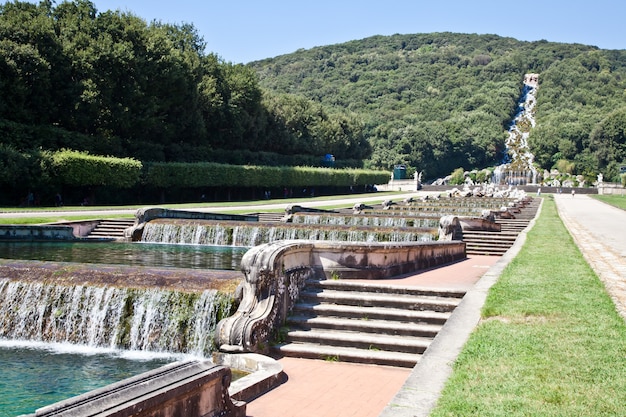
(441, 101)
(110, 83)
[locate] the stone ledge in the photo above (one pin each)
(264, 375)
(190, 389)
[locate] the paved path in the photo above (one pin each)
(599, 230)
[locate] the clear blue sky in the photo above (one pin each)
(241, 31)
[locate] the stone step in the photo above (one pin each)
(360, 340)
(109, 229)
(386, 327)
(371, 313)
(374, 287)
(489, 237)
(487, 245)
(347, 354)
(270, 217)
(513, 226)
(105, 234)
(357, 298)
(112, 228)
(486, 252)
(489, 242)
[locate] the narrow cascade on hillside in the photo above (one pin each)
(247, 235)
(517, 166)
(119, 318)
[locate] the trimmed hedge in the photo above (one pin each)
(81, 169)
(71, 172)
(166, 175)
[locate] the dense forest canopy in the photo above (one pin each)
(110, 83)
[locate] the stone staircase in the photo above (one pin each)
(497, 243)
(339, 320)
(488, 243)
(270, 217)
(111, 229)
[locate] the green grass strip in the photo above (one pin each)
(618, 201)
(550, 343)
(244, 207)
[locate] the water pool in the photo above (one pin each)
(38, 374)
(132, 254)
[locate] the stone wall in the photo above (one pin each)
(36, 232)
(606, 188)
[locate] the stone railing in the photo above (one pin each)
(276, 272)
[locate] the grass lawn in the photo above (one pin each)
(246, 207)
(550, 342)
(618, 201)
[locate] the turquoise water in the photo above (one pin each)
(34, 375)
(133, 254)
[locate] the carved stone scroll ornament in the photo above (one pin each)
(272, 285)
(450, 229)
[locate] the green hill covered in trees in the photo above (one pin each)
(441, 101)
(110, 84)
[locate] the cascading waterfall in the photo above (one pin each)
(361, 220)
(110, 317)
(249, 235)
(517, 167)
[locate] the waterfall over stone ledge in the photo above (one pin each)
(253, 234)
(111, 317)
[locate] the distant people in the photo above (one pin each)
(538, 191)
(30, 199)
(58, 201)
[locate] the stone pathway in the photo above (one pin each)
(599, 230)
